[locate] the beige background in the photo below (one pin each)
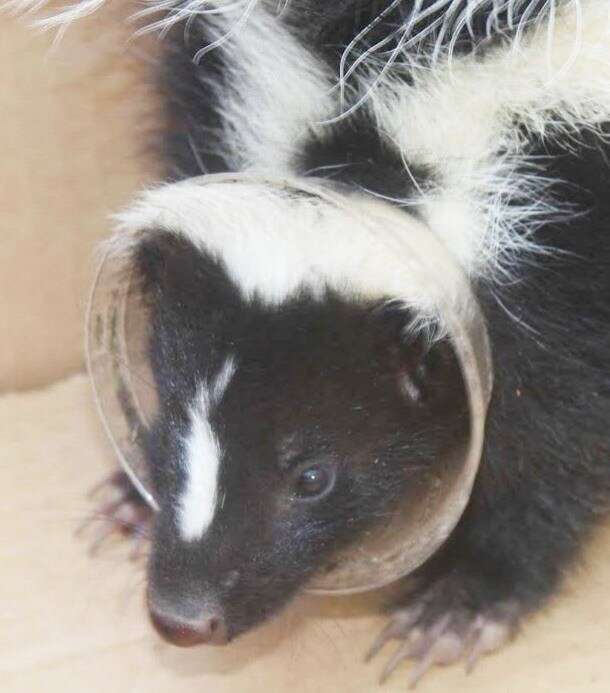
(70, 154)
(73, 121)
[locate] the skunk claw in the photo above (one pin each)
(122, 511)
(444, 638)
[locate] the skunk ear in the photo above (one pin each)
(419, 363)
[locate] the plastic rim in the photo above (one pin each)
(117, 334)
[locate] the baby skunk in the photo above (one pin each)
(294, 415)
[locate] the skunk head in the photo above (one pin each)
(286, 429)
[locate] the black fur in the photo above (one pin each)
(193, 140)
(355, 152)
(545, 476)
(547, 461)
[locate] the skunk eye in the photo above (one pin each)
(313, 481)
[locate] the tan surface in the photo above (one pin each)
(70, 623)
(69, 155)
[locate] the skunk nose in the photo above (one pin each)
(210, 629)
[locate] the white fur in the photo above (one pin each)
(274, 242)
(274, 92)
(222, 380)
(172, 11)
(202, 458)
(197, 503)
(61, 18)
(422, 35)
(457, 120)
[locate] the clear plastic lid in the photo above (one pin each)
(118, 333)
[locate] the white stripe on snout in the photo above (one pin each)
(202, 459)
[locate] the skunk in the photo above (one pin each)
(295, 412)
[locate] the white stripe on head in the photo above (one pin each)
(268, 236)
(202, 459)
(222, 380)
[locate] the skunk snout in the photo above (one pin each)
(208, 628)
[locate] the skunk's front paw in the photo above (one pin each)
(120, 510)
(442, 625)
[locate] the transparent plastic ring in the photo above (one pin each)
(118, 330)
